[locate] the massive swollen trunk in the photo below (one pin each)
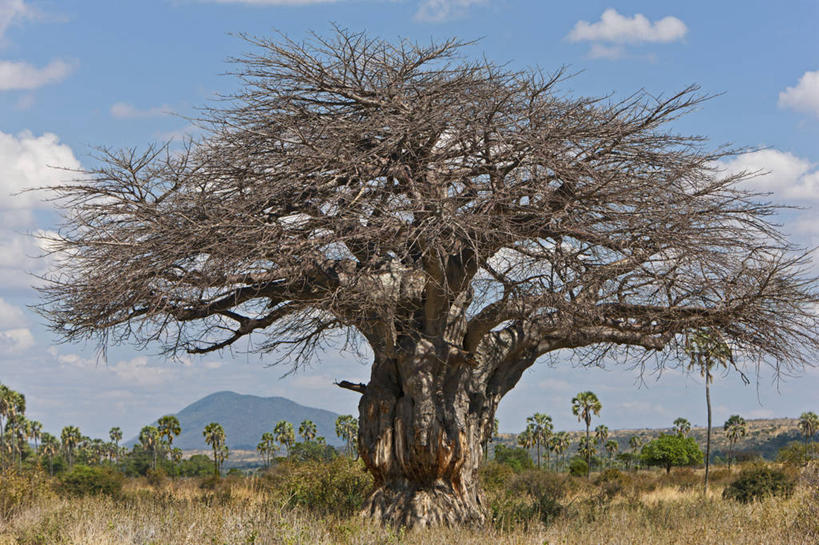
(424, 417)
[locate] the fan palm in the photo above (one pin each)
(735, 428)
(682, 426)
(215, 437)
(808, 424)
(584, 405)
(307, 430)
(540, 426)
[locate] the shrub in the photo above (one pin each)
(84, 480)
(311, 451)
(495, 476)
(17, 491)
(797, 453)
(156, 477)
(758, 482)
(578, 467)
(338, 487)
(515, 457)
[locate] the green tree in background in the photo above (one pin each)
(584, 405)
(672, 451)
(612, 447)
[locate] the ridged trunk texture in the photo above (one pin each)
(423, 422)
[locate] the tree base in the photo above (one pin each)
(412, 506)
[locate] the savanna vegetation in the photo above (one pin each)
(74, 491)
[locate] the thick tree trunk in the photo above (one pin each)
(423, 420)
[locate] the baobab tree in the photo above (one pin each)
(461, 218)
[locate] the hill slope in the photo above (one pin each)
(245, 418)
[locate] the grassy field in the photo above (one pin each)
(646, 508)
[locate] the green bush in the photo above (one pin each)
(84, 480)
(311, 451)
(338, 487)
(672, 450)
(198, 465)
(156, 477)
(578, 467)
(495, 476)
(756, 483)
(797, 453)
(515, 457)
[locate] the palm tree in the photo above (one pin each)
(215, 437)
(116, 436)
(540, 426)
(266, 447)
(682, 426)
(149, 438)
(612, 446)
(49, 448)
(562, 440)
(734, 428)
(18, 430)
(283, 431)
(307, 430)
(584, 405)
(347, 429)
(36, 429)
(635, 442)
(706, 348)
(808, 424)
(71, 438)
(601, 434)
(169, 428)
(586, 449)
(526, 440)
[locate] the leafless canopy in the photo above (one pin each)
(398, 190)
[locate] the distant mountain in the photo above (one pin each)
(245, 418)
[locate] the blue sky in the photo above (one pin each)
(77, 74)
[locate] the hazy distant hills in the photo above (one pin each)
(245, 418)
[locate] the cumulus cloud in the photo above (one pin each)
(15, 76)
(123, 110)
(805, 96)
(613, 32)
(28, 161)
(616, 28)
(12, 11)
(16, 340)
(783, 174)
(437, 11)
(10, 315)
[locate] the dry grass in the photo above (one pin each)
(180, 513)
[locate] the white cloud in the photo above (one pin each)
(16, 76)
(10, 315)
(600, 51)
(805, 96)
(12, 11)
(28, 161)
(616, 28)
(123, 110)
(436, 11)
(16, 340)
(786, 176)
